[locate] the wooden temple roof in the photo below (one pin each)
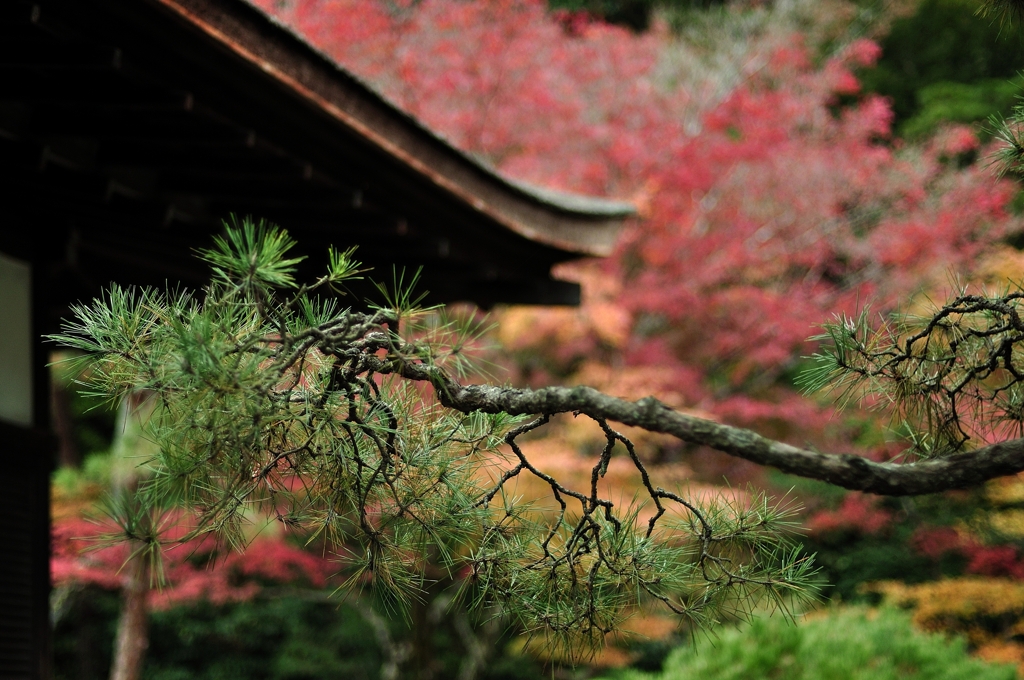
(132, 127)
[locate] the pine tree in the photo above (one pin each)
(354, 425)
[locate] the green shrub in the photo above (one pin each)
(844, 644)
(274, 638)
(266, 638)
(945, 42)
(952, 102)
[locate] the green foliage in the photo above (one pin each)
(1009, 157)
(278, 638)
(270, 402)
(840, 645)
(95, 471)
(84, 627)
(252, 255)
(943, 43)
(952, 102)
(274, 638)
(1007, 12)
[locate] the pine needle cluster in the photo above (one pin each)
(273, 400)
(952, 379)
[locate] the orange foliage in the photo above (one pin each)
(988, 611)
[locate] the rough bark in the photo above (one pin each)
(133, 625)
(68, 454)
(853, 472)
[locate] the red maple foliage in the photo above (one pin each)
(934, 542)
(193, 570)
(764, 210)
(984, 560)
(857, 513)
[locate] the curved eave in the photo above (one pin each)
(577, 225)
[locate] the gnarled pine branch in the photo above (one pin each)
(957, 471)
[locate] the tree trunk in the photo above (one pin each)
(133, 626)
(68, 454)
(422, 638)
(130, 448)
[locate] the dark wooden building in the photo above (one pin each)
(130, 128)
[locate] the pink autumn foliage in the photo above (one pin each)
(984, 560)
(934, 542)
(71, 560)
(193, 570)
(858, 514)
(764, 211)
(997, 560)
